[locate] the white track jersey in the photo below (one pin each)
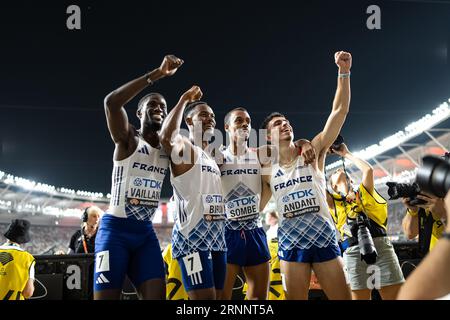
(305, 220)
(241, 184)
(137, 182)
(199, 211)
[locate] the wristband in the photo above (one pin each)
(412, 213)
(147, 78)
(344, 75)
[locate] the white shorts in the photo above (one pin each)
(385, 272)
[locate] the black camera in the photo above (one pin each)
(404, 190)
(365, 242)
(337, 143)
(434, 175)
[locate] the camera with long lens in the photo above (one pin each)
(405, 190)
(434, 175)
(365, 242)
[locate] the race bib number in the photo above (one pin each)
(298, 203)
(102, 261)
(144, 192)
(213, 208)
(192, 263)
(245, 208)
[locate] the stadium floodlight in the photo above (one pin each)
(108, 196)
(412, 130)
(2, 174)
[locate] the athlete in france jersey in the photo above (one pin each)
(198, 241)
(241, 183)
(307, 236)
(248, 251)
(126, 243)
(200, 217)
(137, 182)
(304, 219)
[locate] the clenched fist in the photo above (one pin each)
(343, 61)
(170, 65)
(193, 94)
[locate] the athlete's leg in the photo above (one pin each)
(111, 260)
(296, 277)
(390, 292)
(258, 281)
(197, 275)
(146, 269)
(230, 279)
(107, 294)
(154, 289)
(364, 294)
(332, 279)
(219, 262)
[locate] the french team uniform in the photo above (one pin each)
(241, 184)
(198, 240)
(126, 243)
(306, 231)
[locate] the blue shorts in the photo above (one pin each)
(311, 255)
(203, 270)
(247, 247)
(126, 246)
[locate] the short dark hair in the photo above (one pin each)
(145, 98)
(190, 107)
(266, 121)
(228, 115)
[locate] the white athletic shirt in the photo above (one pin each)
(241, 184)
(199, 212)
(304, 218)
(137, 182)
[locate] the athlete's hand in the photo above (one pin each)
(343, 61)
(193, 94)
(170, 65)
(308, 153)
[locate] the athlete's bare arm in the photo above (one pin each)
(364, 166)
(341, 104)
(116, 116)
(172, 141)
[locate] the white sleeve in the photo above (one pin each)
(32, 270)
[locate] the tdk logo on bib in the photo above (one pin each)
(298, 203)
(298, 195)
(147, 183)
(244, 208)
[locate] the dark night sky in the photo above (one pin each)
(262, 56)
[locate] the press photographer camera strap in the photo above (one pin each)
(425, 231)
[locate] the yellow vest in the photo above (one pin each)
(174, 283)
(374, 206)
(15, 266)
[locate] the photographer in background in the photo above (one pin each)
(83, 240)
(361, 217)
(426, 219)
(431, 279)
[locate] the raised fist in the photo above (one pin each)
(343, 61)
(170, 65)
(193, 94)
